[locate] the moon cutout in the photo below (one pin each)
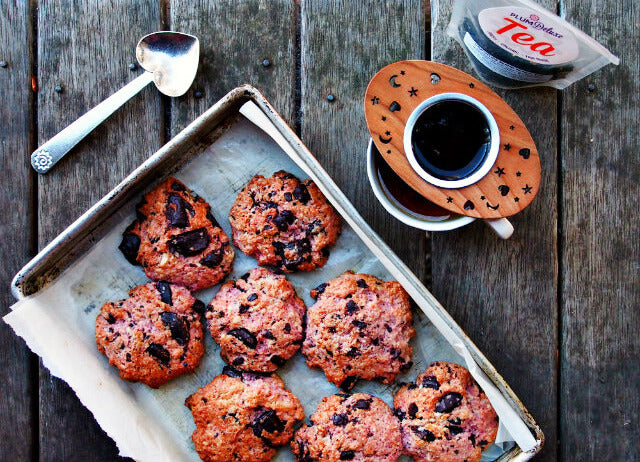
(492, 207)
(392, 81)
(385, 141)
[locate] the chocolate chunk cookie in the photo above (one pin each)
(176, 238)
(359, 327)
(243, 417)
(357, 427)
(445, 416)
(257, 321)
(154, 335)
(284, 222)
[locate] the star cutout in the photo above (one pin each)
(500, 172)
(375, 100)
(517, 199)
(471, 85)
(518, 173)
(384, 118)
(507, 147)
(449, 200)
(527, 189)
(387, 133)
(512, 127)
(482, 198)
(413, 92)
(402, 72)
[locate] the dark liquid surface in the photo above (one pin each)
(402, 192)
(451, 139)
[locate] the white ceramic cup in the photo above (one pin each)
(501, 226)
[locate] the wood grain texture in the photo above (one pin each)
(501, 191)
(16, 111)
(504, 293)
(236, 37)
(600, 369)
(86, 48)
(343, 45)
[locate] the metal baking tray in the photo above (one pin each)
(86, 230)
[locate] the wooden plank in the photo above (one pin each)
(86, 48)
(600, 372)
(17, 226)
(504, 293)
(343, 45)
(236, 38)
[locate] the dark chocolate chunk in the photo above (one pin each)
(352, 307)
(348, 383)
(213, 259)
(160, 353)
(400, 414)
(413, 410)
(190, 243)
(176, 326)
(325, 252)
(245, 337)
(362, 404)
(353, 352)
(287, 328)
(472, 438)
(423, 433)
(212, 219)
(238, 361)
(302, 194)
(245, 276)
(111, 318)
(359, 324)
(454, 429)
(244, 308)
(165, 292)
(177, 186)
(430, 382)
(177, 210)
(268, 334)
(362, 284)
(340, 419)
(277, 360)
(268, 421)
(231, 372)
(281, 220)
(129, 247)
(406, 366)
(288, 196)
(320, 289)
(331, 329)
(198, 307)
(412, 386)
(301, 250)
(449, 402)
(347, 455)
(252, 297)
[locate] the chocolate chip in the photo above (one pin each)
(287, 328)
(176, 325)
(362, 283)
(198, 307)
(483, 443)
(472, 438)
(212, 219)
(245, 337)
(454, 429)
(423, 433)
(165, 292)
(281, 222)
(302, 194)
(331, 329)
(412, 386)
(231, 372)
(238, 361)
(252, 297)
(400, 414)
(406, 366)
(190, 243)
(160, 353)
(325, 252)
(213, 259)
(352, 307)
(455, 421)
(320, 289)
(129, 247)
(301, 248)
(388, 327)
(277, 360)
(449, 402)
(177, 186)
(288, 197)
(268, 334)
(244, 308)
(431, 382)
(176, 211)
(347, 455)
(348, 383)
(359, 324)
(340, 420)
(353, 352)
(362, 404)
(111, 318)
(413, 410)
(395, 354)
(376, 341)
(267, 421)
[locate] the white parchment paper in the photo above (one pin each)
(154, 425)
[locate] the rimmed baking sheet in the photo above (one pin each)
(216, 157)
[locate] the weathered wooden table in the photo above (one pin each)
(555, 308)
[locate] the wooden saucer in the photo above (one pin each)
(399, 88)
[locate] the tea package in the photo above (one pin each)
(517, 43)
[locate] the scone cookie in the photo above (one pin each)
(243, 417)
(284, 222)
(445, 416)
(154, 335)
(357, 427)
(257, 321)
(176, 238)
(359, 327)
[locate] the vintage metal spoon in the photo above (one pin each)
(170, 60)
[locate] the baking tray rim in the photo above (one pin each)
(53, 253)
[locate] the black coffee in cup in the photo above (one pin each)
(451, 139)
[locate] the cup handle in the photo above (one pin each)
(502, 227)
